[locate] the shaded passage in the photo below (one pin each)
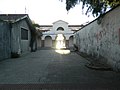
(49, 66)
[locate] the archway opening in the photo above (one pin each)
(71, 41)
(48, 41)
(60, 41)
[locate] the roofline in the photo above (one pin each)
(75, 25)
(60, 20)
(12, 21)
(26, 16)
(68, 25)
(46, 25)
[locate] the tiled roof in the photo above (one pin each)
(11, 17)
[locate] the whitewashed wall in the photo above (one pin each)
(53, 31)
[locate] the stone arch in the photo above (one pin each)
(48, 41)
(60, 29)
(71, 41)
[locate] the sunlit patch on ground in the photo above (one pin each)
(63, 51)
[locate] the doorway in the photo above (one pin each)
(48, 41)
(71, 41)
(60, 41)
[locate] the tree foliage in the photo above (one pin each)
(97, 7)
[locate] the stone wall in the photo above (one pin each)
(5, 48)
(102, 38)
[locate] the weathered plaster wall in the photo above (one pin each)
(102, 39)
(25, 44)
(5, 49)
(18, 45)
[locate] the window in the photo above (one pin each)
(24, 34)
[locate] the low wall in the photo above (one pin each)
(102, 38)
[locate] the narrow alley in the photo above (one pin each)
(54, 67)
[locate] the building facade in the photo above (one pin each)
(58, 35)
(16, 36)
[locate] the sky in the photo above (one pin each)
(45, 12)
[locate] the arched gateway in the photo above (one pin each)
(59, 35)
(71, 41)
(48, 41)
(60, 41)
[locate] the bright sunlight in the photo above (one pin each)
(60, 41)
(63, 51)
(60, 44)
